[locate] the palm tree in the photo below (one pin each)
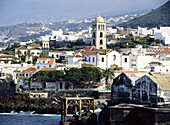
(107, 74)
(19, 53)
(29, 54)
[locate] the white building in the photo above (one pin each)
(163, 34)
(45, 63)
(34, 48)
(103, 58)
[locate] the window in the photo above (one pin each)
(93, 59)
(89, 59)
(101, 42)
(94, 35)
(103, 27)
(125, 59)
(98, 27)
(52, 55)
(38, 53)
(43, 61)
(101, 48)
(85, 59)
(101, 34)
(102, 59)
(26, 74)
(50, 66)
(57, 56)
(61, 85)
(38, 67)
(44, 66)
(94, 42)
(114, 57)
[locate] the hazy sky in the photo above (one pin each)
(19, 11)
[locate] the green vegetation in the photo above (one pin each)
(85, 74)
(28, 62)
(108, 74)
(156, 18)
(131, 42)
(71, 46)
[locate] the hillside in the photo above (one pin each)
(156, 18)
(25, 31)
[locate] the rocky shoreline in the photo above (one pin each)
(19, 103)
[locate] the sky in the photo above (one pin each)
(20, 11)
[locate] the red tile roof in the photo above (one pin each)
(49, 63)
(42, 58)
(121, 71)
(48, 69)
(34, 48)
(34, 45)
(21, 47)
(76, 56)
(90, 65)
(30, 70)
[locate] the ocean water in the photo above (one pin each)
(26, 118)
(29, 118)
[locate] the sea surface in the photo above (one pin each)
(29, 118)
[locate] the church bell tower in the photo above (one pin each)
(99, 33)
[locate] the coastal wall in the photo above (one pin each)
(7, 88)
(82, 93)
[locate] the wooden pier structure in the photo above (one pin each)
(78, 103)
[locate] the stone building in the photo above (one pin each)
(123, 85)
(141, 87)
(150, 85)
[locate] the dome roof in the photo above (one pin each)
(99, 19)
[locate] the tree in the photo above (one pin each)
(90, 74)
(74, 75)
(28, 80)
(29, 54)
(107, 74)
(44, 76)
(19, 53)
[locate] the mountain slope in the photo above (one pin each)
(156, 18)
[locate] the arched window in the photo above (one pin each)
(103, 27)
(101, 34)
(125, 59)
(98, 27)
(52, 56)
(102, 59)
(94, 41)
(101, 48)
(85, 59)
(101, 42)
(114, 57)
(94, 35)
(67, 86)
